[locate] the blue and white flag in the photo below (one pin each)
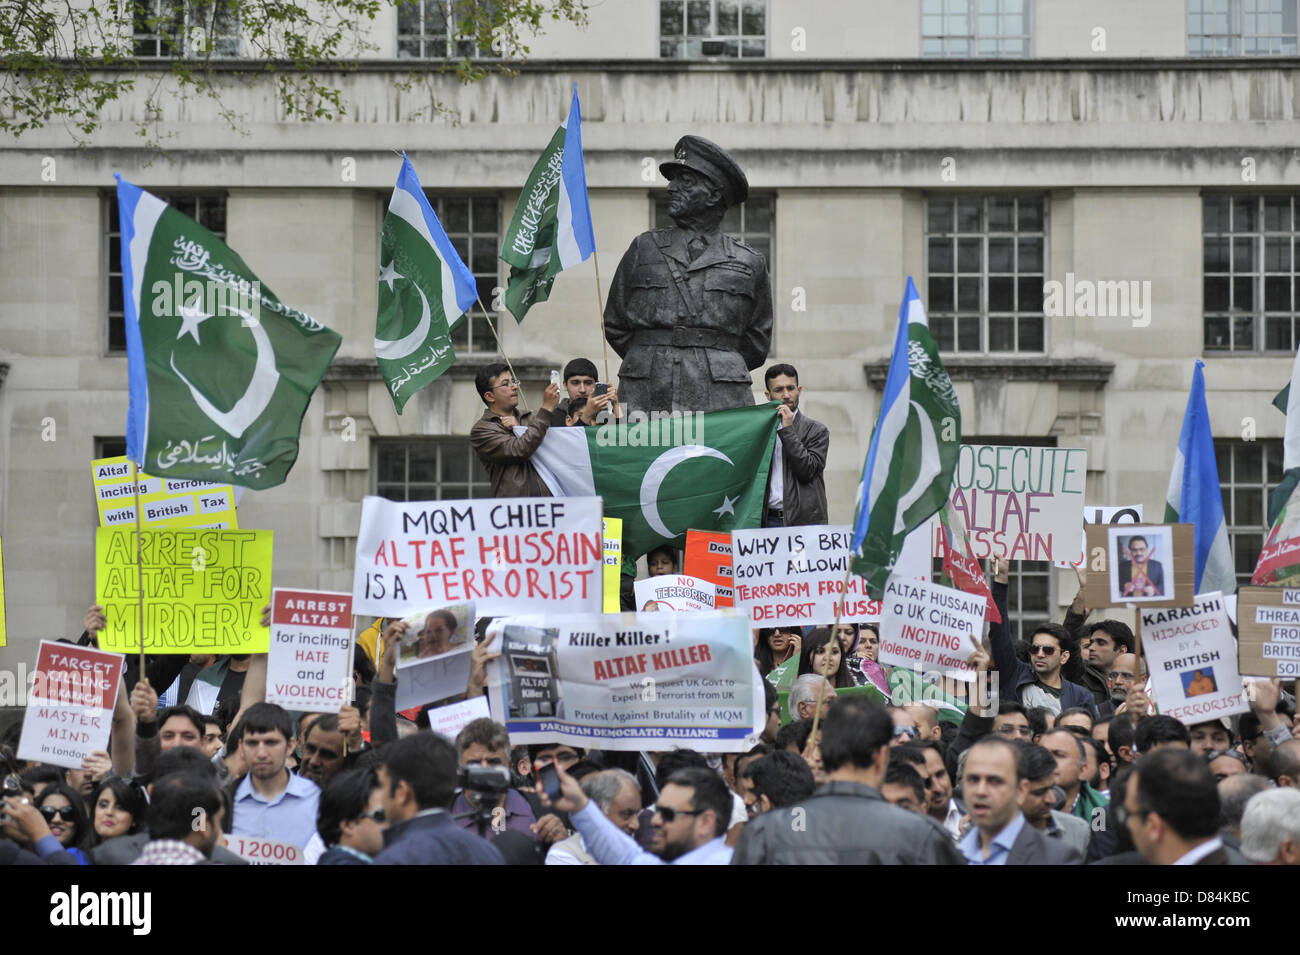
(551, 228)
(424, 291)
(913, 451)
(1194, 496)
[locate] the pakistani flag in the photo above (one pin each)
(663, 477)
(1194, 496)
(551, 228)
(913, 451)
(220, 371)
(1279, 557)
(424, 289)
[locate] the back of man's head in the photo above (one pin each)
(674, 759)
(483, 379)
(1284, 763)
(1159, 730)
(853, 733)
(181, 804)
(183, 759)
(710, 792)
(428, 764)
(1035, 763)
(803, 690)
(1234, 793)
(794, 736)
(1119, 733)
(344, 798)
(1177, 786)
(1271, 822)
(783, 778)
(603, 787)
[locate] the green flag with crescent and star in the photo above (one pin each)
(220, 371)
(665, 477)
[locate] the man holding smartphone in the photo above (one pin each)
(503, 455)
(588, 395)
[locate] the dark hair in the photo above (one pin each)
(483, 379)
(770, 696)
(576, 405)
(912, 755)
(484, 731)
(1178, 785)
(43, 775)
(783, 778)
(189, 712)
(763, 651)
(328, 723)
(1075, 711)
(427, 763)
(1098, 747)
(1118, 631)
(580, 366)
(361, 698)
(1035, 762)
(536, 749)
(796, 733)
(1137, 537)
(183, 759)
(344, 798)
(853, 732)
(1158, 729)
(268, 718)
(81, 828)
(993, 739)
(1037, 716)
(899, 772)
(130, 799)
(677, 759)
(1284, 761)
(1011, 706)
(178, 802)
(709, 792)
(1078, 738)
(664, 549)
(1120, 732)
(776, 371)
(819, 638)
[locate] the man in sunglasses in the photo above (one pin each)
(351, 819)
(1041, 683)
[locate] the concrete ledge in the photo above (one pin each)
(1083, 371)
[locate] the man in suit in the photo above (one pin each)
(1140, 576)
(1171, 809)
(994, 791)
(796, 493)
(690, 308)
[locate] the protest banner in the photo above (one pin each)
(450, 720)
(1128, 514)
(1268, 628)
(309, 667)
(1192, 658)
(204, 590)
(708, 557)
(675, 592)
(1151, 565)
(1022, 503)
(930, 627)
(508, 555)
(433, 631)
(70, 708)
(164, 502)
(434, 679)
(625, 681)
(3, 638)
(611, 535)
(257, 851)
(795, 576)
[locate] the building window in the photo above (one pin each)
(166, 28)
(985, 263)
(432, 30)
(207, 210)
(975, 28)
(1248, 470)
(1029, 596)
(114, 447)
(694, 29)
(1241, 27)
(753, 222)
(443, 469)
(1251, 275)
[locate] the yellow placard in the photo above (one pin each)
(204, 590)
(3, 638)
(612, 535)
(164, 502)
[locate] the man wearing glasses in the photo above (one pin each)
(503, 455)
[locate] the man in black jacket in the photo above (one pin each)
(796, 493)
(848, 821)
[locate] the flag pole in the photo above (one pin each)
(600, 312)
(488, 318)
(139, 565)
(821, 689)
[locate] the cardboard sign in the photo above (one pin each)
(795, 576)
(450, 720)
(1268, 627)
(1192, 657)
(625, 681)
(1161, 574)
(70, 708)
(611, 533)
(708, 557)
(434, 679)
(164, 502)
(507, 555)
(309, 667)
(265, 851)
(1022, 503)
(674, 592)
(1128, 514)
(204, 590)
(929, 627)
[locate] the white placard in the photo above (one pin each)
(674, 592)
(309, 667)
(1192, 656)
(930, 627)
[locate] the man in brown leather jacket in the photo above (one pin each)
(505, 456)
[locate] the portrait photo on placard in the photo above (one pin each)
(435, 631)
(1141, 565)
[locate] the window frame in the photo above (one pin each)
(450, 41)
(477, 475)
(1237, 36)
(1271, 451)
(685, 37)
(972, 16)
(162, 41)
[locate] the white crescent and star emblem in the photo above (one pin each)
(401, 347)
(658, 471)
(388, 274)
(260, 389)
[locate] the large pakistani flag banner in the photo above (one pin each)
(666, 475)
(220, 371)
(424, 290)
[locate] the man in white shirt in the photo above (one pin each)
(796, 491)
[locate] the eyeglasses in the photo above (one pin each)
(1219, 753)
(1012, 729)
(66, 813)
(1122, 814)
(911, 732)
(1044, 649)
(668, 814)
(512, 383)
(375, 815)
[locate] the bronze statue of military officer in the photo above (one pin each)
(690, 309)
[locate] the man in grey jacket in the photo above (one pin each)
(847, 821)
(796, 492)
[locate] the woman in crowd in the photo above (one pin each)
(813, 658)
(867, 652)
(775, 647)
(64, 814)
(118, 808)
